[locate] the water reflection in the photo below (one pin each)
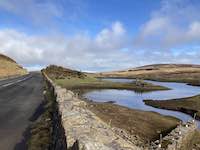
(134, 100)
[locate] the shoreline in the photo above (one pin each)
(130, 112)
(183, 110)
(116, 115)
(188, 105)
(191, 83)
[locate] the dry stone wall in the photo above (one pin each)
(175, 139)
(83, 129)
(58, 138)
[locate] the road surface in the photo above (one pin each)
(19, 99)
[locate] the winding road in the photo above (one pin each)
(19, 99)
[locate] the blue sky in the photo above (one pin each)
(90, 15)
(100, 35)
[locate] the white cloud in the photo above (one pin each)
(194, 31)
(109, 49)
(44, 12)
(79, 51)
(176, 23)
(154, 26)
(112, 38)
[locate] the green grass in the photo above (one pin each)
(94, 83)
(72, 79)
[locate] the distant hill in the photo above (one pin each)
(168, 66)
(9, 67)
(162, 72)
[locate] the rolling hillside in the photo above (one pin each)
(161, 72)
(9, 68)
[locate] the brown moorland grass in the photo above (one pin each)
(190, 105)
(147, 125)
(160, 72)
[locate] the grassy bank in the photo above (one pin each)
(47, 131)
(10, 68)
(146, 125)
(94, 83)
(188, 105)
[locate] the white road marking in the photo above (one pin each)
(8, 84)
(11, 83)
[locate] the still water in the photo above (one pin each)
(134, 100)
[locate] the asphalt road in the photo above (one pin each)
(19, 100)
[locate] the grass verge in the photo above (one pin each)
(40, 130)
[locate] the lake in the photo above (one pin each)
(132, 99)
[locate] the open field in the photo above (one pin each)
(71, 79)
(188, 105)
(146, 125)
(160, 72)
(9, 67)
